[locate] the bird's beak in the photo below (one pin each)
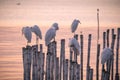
(80, 22)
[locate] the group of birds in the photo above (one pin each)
(51, 33)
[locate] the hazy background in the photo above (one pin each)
(14, 14)
(45, 12)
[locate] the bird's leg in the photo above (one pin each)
(37, 40)
(54, 39)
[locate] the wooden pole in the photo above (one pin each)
(70, 67)
(27, 62)
(75, 51)
(57, 69)
(91, 74)
(81, 56)
(35, 59)
(78, 72)
(112, 47)
(117, 54)
(108, 37)
(66, 70)
(97, 62)
(104, 45)
(88, 57)
(62, 58)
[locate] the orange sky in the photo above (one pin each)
(45, 12)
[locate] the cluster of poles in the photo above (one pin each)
(38, 67)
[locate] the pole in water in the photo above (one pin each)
(98, 26)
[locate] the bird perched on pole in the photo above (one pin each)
(74, 25)
(51, 33)
(37, 32)
(26, 31)
(74, 43)
(106, 55)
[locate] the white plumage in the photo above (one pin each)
(74, 25)
(106, 55)
(74, 43)
(51, 33)
(37, 31)
(26, 31)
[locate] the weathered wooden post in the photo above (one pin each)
(66, 70)
(91, 74)
(97, 62)
(62, 58)
(35, 62)
(47, 77)
(57, 69)
(103, 70)
(81, 57)
(70, 67)
(108, 37)
(88, 57)
(78, 72)
(117, 54)
(112, 47)
(27, 62)
(75, 51)
(41, 57)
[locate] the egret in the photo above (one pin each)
(74, 25)
(51, 33)
(74, 43)
(106, 55)
(37, 32)
(26, 31)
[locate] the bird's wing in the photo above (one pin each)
(28, 34)
(50, 34)
(76, 45)
(74, 26)
(37, 31)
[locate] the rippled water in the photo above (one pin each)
(12, 41)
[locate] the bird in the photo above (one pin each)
(35, 29)
(51, 33)
(74, 43)
(106, 55)
(74, 25)
(26, 31)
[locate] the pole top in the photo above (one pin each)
(97, 9)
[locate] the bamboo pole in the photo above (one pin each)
(103, 70)
(97, 62)
(35, 59)
(78, 72)
(112, 47)
(62, 59)
(81, 57)
(75, 51)
(57, 69)
(27, 62)
(88, 57)
(117, 54)
(70, 67)
(66, 70)
(91, 74)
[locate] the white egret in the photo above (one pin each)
(51, 33)
(74, 43)
(74, 25)
(37, 32)
(106, 55)
(26, 31)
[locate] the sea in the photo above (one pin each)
(12, 41)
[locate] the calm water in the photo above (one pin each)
(12, 41)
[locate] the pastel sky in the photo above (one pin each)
(45, 12)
